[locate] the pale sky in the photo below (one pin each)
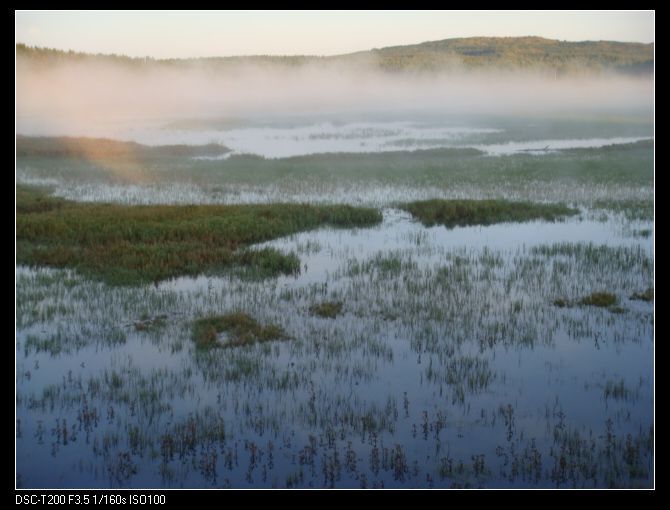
(173, 34)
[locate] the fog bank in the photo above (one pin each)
(91, 99)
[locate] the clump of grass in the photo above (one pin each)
(146, 323)
(268, 262)
(647, 295)
(129, 245)
(241, 329)
(601, 299)
(562, 302)
(454, 213)
(616, 390)
(327, 309)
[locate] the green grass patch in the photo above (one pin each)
(647, 295)
(562, 303)
(31, 199)
(455, 213)
(601, 299)
(619, 147)
(327, 309)
(240, 329)
(129, 245)
(265, 263)
(103, 148)
(586, 178)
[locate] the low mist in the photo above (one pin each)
(95, 99)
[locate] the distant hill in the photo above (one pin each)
(472, 53)
(520, 53)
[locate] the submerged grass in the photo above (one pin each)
(454, 213)
(241, 329)
(126, 245)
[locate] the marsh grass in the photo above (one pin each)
(620, 181)
(647, 295)
(327, 309)
(617, 390)
(32, 199)
(97, 148)
(644, 233)
(265, 263)
(600, 299)
(146, 323)
(455, 213)
(127, 245)
(310, 406)
(433, 321)
(241, 329)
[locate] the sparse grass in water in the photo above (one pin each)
(454, 213)
(647, 295)
(616, 390)
(241, 329)
(146, 323)
(126, 245)
(327, 309)
(459, 307)
(632, 210)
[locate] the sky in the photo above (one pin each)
(186, 34)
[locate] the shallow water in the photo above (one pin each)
(539, 147)
(276, 139)
(359, 137)
(450, 366)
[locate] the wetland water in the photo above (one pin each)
(255, 271)
(449, 366)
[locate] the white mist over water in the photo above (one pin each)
(142, 104)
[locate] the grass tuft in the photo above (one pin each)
(240, 329)
(562, 302)
(601, 299)
(647, 295)
(327, 309)
(150, 323)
